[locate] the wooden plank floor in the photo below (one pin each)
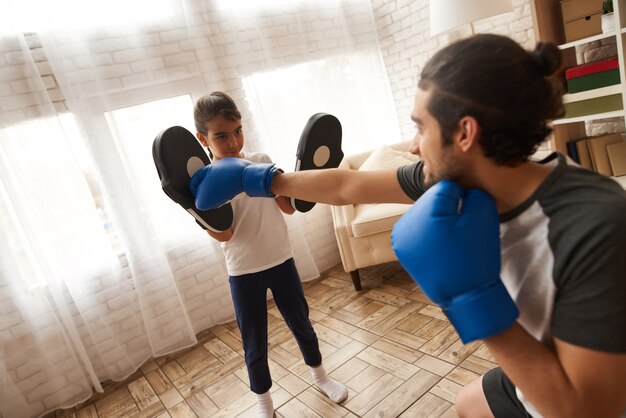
(395, 351)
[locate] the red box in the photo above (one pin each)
(593, 76)
(592, 68)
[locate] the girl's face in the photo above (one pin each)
(224, 137)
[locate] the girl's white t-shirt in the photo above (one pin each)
(260, 237)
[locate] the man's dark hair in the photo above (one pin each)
(503, 86)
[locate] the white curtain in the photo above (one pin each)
(99, 269)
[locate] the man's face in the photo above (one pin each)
(440, 162)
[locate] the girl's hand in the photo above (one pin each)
(284, 205)
(221, 236)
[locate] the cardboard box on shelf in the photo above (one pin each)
(581, 18)
(583, 27)
(575, 9)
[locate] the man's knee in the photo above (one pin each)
(471, 401)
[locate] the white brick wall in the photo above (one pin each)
(404, 36)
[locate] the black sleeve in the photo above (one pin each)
(590, 307)
(411, 179)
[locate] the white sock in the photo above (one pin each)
(335, 390)
(265, 405)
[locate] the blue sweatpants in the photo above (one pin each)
(249, 292)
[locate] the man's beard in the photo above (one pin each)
(450, 169)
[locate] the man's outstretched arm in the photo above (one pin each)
(341, 186)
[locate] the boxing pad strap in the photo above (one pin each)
(481, 313)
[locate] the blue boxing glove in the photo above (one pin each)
(453, 253)
(219, 182)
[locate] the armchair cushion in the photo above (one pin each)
(370, 219)
(373, 218)
(386, 157)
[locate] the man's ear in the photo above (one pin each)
(203, 139)
(467, 135)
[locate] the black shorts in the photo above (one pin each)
(501, 396)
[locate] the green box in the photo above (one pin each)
(593, 81)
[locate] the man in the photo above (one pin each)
(482, 107)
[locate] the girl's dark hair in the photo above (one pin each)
(211, 105)
(503, 86)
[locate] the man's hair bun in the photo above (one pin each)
(546, 58)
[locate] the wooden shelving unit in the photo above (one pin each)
(549, 27)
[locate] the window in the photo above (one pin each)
(263, 5)
(353, 88)
(54, 206)
(134, 129)
(39, 15)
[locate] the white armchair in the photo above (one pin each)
(363, 231)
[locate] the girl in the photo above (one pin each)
(259, 257)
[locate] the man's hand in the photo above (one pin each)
(449, 242)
